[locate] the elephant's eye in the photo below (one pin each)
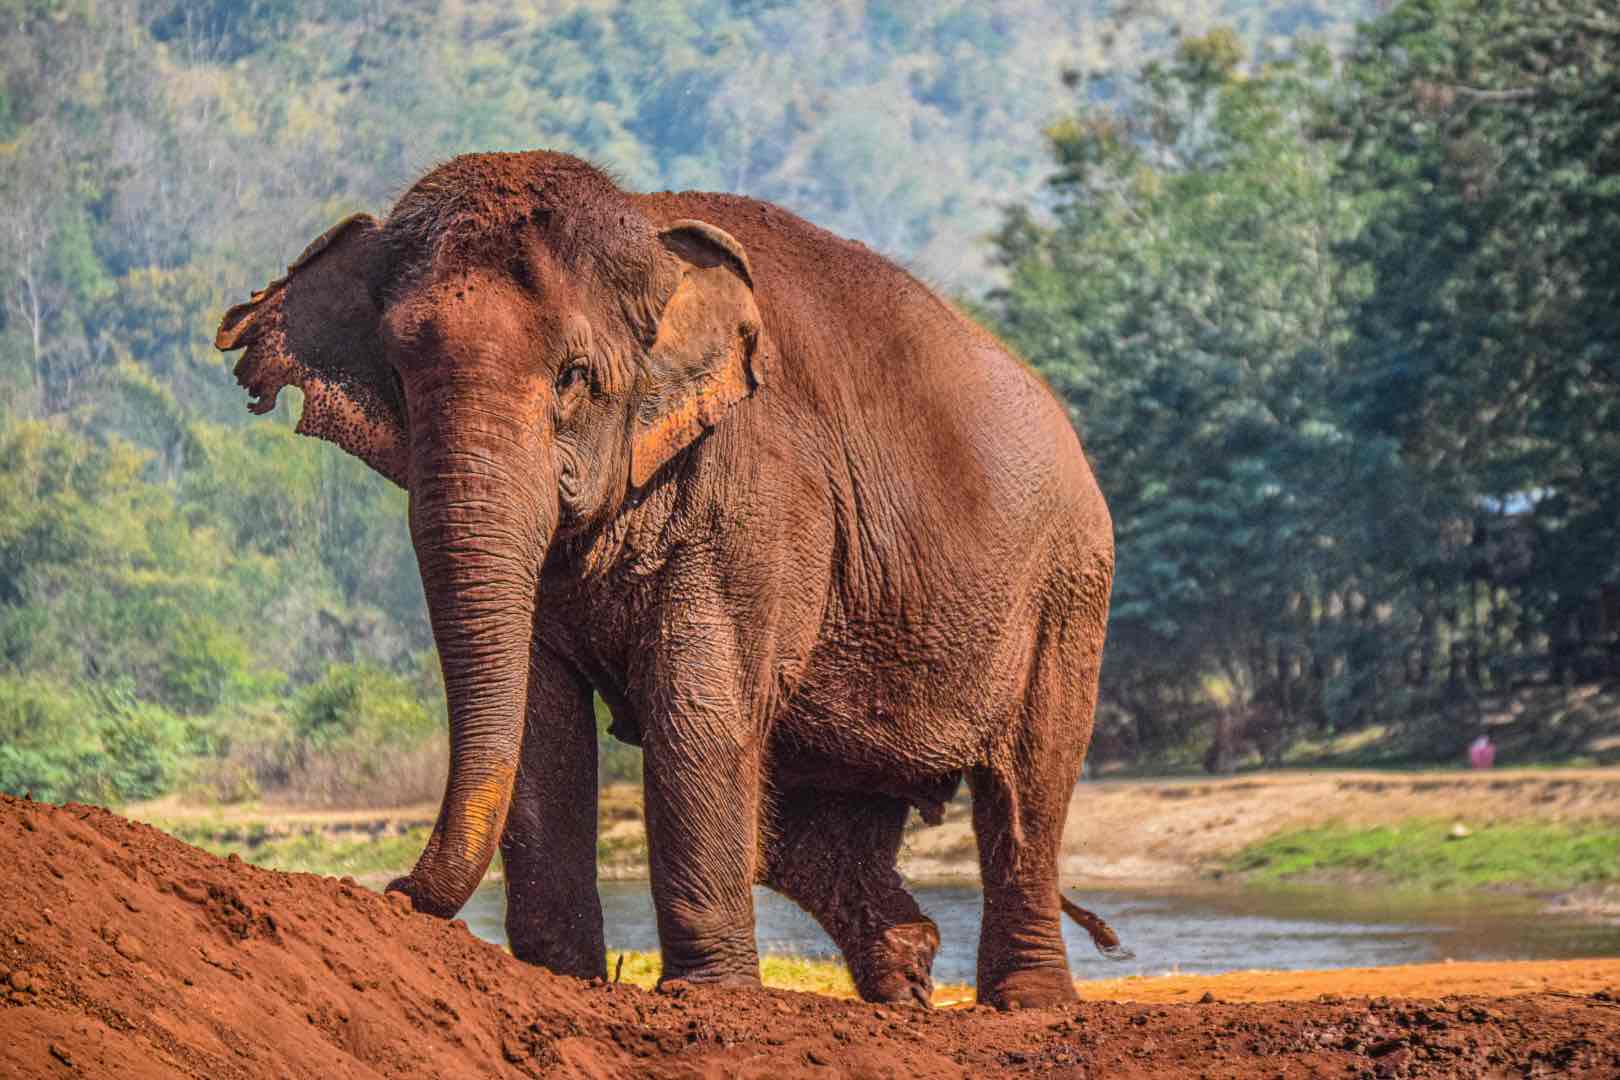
(572, 375)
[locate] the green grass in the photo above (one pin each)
(621, 849)
(216, 836)
(310, 852)
(782, 972)
(1425, 854)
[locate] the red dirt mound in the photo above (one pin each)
(126, 953)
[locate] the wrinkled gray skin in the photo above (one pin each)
(821, 543)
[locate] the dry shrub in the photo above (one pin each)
(369, 776)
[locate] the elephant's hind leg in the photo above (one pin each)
(1020, 800)
(833, 854)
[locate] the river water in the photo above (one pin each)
(1198, 930)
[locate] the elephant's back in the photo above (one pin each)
(863, 347)
(963, 512)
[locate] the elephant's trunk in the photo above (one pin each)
(481, 524)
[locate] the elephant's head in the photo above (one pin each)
(520, 349)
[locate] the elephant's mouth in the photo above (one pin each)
(569, 481)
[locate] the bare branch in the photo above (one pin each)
(1514, 94)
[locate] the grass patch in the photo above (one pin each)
(1428, 854)
(312, 852)
(804, 973)
(616, 850)
(782, 972)
(217, 837)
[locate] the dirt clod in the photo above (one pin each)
(237, 993)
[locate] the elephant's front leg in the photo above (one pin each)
(553, 911)
(702, 786)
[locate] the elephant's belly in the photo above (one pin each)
(792, 768)
(860, 731)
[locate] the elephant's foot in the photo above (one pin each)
(676, 985)
(1022, 960)
(1029, 988)
(728, 960)
(581, 956)
(896, 968)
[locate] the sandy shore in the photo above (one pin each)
(1162, 831)
(1499, 979)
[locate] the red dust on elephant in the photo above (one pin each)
(819, 541)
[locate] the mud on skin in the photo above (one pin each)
(822, 544)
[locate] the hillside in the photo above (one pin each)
(190, 601)
(1334, 306)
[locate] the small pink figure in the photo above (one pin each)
(1482, 752)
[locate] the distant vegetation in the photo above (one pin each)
(1342, 335)
(314, 851)
(1337, 312)
(1438, 855)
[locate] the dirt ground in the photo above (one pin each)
(1502, 979)
(126, 953)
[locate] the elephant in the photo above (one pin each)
(822, 545)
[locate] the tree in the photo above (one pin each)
(1486, 137)
(1186, 301)
(159, 159)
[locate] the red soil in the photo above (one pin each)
(126, 953)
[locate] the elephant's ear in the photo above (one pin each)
(319, 328)
(706, 355)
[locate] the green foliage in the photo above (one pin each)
(359, 704)
(616, 762)
(359, 736)
(1429, 855)
(1335, 310)
(209, 666)
(1341, 339)
(1486, 140)
(102, 746)
(1185, 300)
(316, 852)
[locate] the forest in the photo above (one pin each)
(1332, 292)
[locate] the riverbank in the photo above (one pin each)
(1497, 978)
(371, 845)
(1548, 831)
(1441, 856)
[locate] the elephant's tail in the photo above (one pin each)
(1102, 935)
